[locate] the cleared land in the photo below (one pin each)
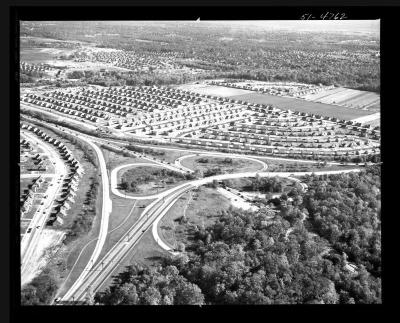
(348, 98)
(199, 207)
(300, 105)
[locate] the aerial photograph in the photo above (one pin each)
(200, 162)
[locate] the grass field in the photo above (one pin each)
(303, 106)
(202, 208)
(237, 165)
(348, 98)
(125, 213)
(39, 55)
(114, 159)
(170, 155)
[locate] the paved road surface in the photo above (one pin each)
(106, 210)
(30, 240)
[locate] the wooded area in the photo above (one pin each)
(247, 258)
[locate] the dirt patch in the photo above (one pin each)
(48, 243)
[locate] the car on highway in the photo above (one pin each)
(29, 230)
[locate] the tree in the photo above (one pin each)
(28, 296)
(124, 185)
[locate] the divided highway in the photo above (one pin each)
(107, 265)
(97, 271)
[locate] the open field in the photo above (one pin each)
(347, 98)
(202, 204)
(124, 214)
(214, 90)
(236, 165)
(41, 55)
(114, 159)
(300, 105)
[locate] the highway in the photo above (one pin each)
(194, 150)
(150, 217)
(97, 271)
(29, 242)
(107, 265)
(106, 210)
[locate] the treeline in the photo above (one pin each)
(299, 256)
(41, 290)
(151, 286)
(346, 211)
(132, 178)
(141, 150)
(334, 59)
(84, 220)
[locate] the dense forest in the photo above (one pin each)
(221, 51)
(324, 247)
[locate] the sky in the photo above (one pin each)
(358, 26)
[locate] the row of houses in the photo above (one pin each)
(131, 60)
(28, 67)
(28, 196)
(276, 88)
(299, 152)
(70, 181)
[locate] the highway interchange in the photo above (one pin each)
(99, 269)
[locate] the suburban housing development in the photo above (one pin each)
(175, 168)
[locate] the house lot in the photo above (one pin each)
(255, 123)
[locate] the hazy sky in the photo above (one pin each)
(362, 26)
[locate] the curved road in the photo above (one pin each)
(206, 180)
(106, 210)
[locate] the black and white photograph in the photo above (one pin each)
(200, 162)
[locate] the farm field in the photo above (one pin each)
(41, 55)
(300, 105)
(347, 98)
